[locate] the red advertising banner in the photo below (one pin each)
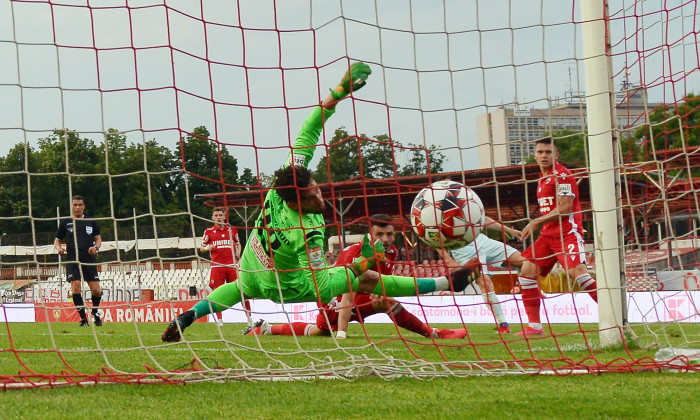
(115, 311)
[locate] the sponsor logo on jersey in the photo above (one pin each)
(224, 243)
(259, 252)
(316, 257)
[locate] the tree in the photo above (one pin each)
(14, 193)
(378, 159)
(208, 168)
(422, 159)
(671, 127)
(144, 177)
(247, 178)
(71, 166)
(571, 146)
(356, 156)
(341, 161)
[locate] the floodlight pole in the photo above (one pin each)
(603, 176)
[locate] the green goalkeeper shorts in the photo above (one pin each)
(333, 282)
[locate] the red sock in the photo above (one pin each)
(531, 298)
(299, 328)
(407, 320)
(587, 284)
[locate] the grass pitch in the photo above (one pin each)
(65, 349)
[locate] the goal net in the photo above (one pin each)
(158, 112)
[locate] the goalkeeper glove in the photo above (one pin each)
(357, 76)
(370, 257)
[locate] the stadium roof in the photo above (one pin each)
(508, 194)
(499, 188)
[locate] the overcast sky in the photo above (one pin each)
(154, 71)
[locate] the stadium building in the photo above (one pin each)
(507, 136)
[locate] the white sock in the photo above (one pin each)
(536, 326)
(491, 300)
(585, 281)
(441, 283)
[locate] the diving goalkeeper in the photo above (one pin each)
(284, 260)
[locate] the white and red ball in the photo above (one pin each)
(447, 215)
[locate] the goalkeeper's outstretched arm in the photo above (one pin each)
(305, 143)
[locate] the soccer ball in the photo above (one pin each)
(447, 215)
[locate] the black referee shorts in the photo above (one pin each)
(89, 272)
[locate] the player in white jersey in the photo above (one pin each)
(491, 253)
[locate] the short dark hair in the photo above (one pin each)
(221, 209)
(380, 220)
(546, 140)
(289, 179)
(79, 198)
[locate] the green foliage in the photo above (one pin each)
(247, 178)
(341, 161)
(209, 168)
(670, 127)
(571, 146)
(349, 157)
(421, 159)
(119, 178)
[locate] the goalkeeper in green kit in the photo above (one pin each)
(284, 260)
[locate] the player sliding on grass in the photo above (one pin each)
(284, 259)
(335, 315)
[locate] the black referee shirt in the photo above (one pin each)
(85, 232)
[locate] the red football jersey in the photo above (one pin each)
(222, 250)
(353, 251)
(559, 182)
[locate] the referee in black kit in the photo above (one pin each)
(87, 234)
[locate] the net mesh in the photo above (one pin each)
(155, 112)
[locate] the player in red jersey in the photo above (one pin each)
(336, 315)
(561, 238)
(221, 241)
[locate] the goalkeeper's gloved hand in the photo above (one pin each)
(370, 257)
(357, 76)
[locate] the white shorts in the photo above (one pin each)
(491, 253)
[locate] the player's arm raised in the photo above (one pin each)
(305, 143)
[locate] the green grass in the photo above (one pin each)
(130, 347)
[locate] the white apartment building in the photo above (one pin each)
(507, 136)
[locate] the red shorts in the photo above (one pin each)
(547, 250)
(220, 275)
(361, 304)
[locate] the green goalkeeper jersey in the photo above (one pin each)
(284, 243)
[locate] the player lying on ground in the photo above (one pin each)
(491, 253)
(335, 315)
(284, 259)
